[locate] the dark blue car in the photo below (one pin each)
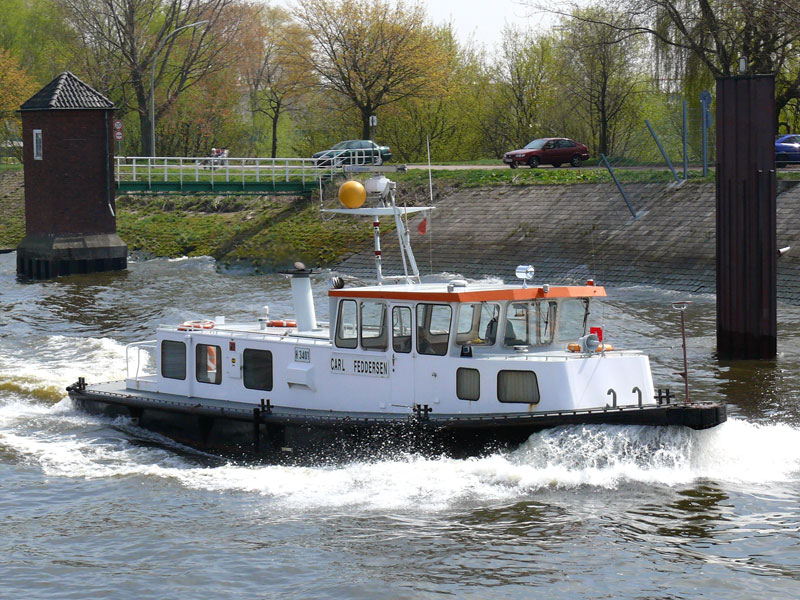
(787, 150)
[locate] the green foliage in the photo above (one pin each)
(16, 86)
(205, 116)
(37, 34)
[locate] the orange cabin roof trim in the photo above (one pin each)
(463, 295)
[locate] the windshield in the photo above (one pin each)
(339, 146)
(536, 144)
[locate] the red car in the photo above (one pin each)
(548, 151)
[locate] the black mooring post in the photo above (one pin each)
(747, 319)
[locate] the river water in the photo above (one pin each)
(96, 508)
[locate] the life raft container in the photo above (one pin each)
(199, 324)
(578, 348)
(282, 323)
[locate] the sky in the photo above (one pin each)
(481, 20)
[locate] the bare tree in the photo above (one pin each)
(371, 53)
(124, 36)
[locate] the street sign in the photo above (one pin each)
(117, 125)
(118, 135)
(373, 121)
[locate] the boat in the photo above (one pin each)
(457, 367)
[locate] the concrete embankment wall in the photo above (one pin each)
(571, 233)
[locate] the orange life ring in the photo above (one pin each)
(282, 323)
(199, 324)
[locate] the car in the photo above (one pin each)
(353, 152)
(548, 151)
(787, 150)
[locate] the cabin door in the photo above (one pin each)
(432, 330)
(402, 357)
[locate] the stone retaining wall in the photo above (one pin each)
(571, 233)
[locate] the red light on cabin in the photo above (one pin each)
(598, 331)
(590, 282)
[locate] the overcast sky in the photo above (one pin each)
(481, 20)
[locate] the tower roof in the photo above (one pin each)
(67, 92)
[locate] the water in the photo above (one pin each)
(96, 508)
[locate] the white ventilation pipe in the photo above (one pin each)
(303, 300)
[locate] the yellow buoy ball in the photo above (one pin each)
(352, 194)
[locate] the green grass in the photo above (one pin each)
(10, 167)
(269, 233)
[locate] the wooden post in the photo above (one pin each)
(746, 218)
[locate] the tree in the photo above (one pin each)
(371, 53)
(599, 73)
(765, 33)
(443, 121)
(274, 75)
(16, 86)
(124, 37)
(36, 34)
(522, 82)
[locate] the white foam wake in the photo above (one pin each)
(57, 361)
(736, 454)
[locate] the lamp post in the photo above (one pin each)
(153, 84)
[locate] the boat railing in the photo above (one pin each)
(140, 359)
(261, 335)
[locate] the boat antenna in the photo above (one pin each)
(430, 212)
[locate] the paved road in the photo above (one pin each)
(499, 165)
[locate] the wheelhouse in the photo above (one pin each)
(441, 320)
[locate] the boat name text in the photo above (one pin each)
(359, 366)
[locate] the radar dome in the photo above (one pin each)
(352, 194)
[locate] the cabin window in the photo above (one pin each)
(517, 386)
(374, 335)
(208, 363)
(257, 369)
(401, 329)
(173, 359)
(477, 324)
(572, 319)
(468, 384)
(37, 144)
(530, 323)
(433, 328)
(347, 325)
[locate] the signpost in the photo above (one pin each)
(118, 135)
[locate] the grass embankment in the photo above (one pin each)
(266, 232)
(12, 206)
(274, 232)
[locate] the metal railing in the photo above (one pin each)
(204, 169)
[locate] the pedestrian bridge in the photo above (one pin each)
(206, 175)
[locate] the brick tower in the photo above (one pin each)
(70, 223)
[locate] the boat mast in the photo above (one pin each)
(382, 190)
